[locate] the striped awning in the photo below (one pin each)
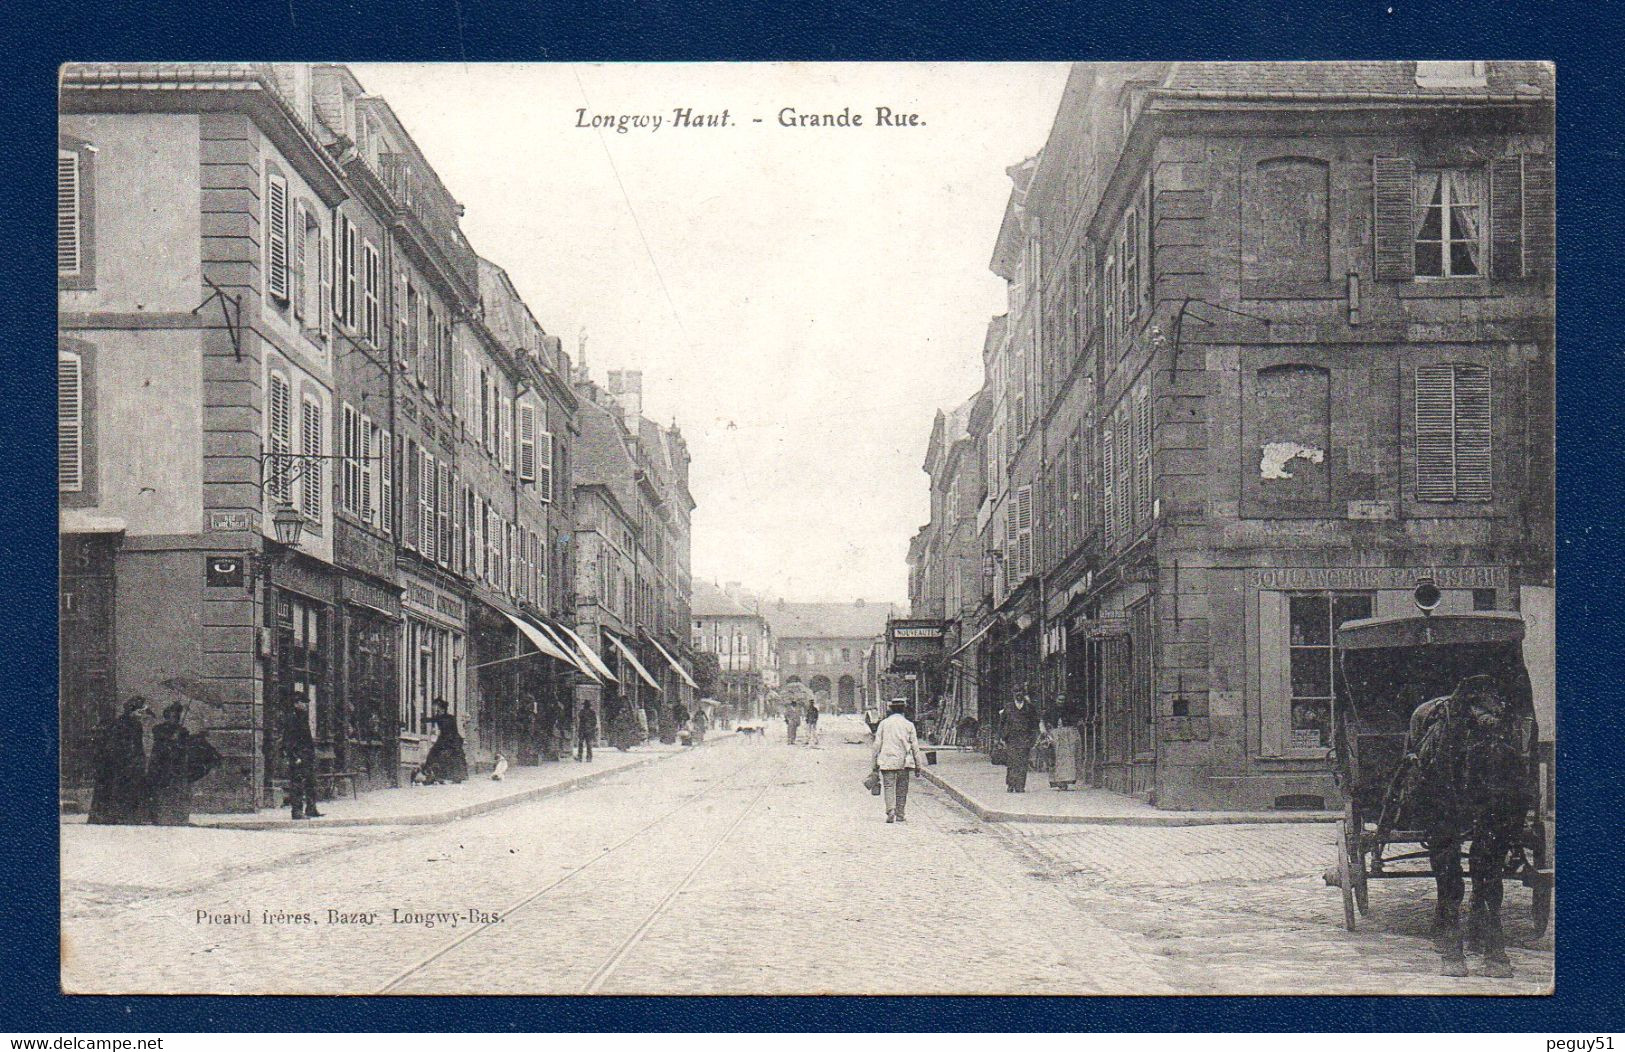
(632, 659)
(541, 642)
(682, 673)
(563, 644)
(587, 652)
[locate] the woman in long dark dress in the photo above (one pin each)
(169, 778)
(446, 761)
(1020, 734)
(121, 769)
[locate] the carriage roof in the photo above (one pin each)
(1417, 630)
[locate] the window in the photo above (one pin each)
(429, 363)
(70, 422)
(1449, 223)
(310, 277)
(1313, 667)
(350, 444)
(276, 238)
(544, 466)
(74, 213)
(527, 442)
(279, 437)
(1453, 439)
(1129, 272)
(371, 276)
(1142, 454)
(365, 505)
(426, 505)
(1108, 463)
(505, 451)
(310, 479)
(385, 448)
(352, 266)
(442, 508)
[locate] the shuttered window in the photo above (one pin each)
(443, 513)
(351, 274)
(1022, 533)
(527, 442)
(369, 470)
(350, 446)
(279, 437)
(1142, 454)
(311, 477)
(1108, 463)
(70, 422)
(505, 453)
(544, 466)
(1453, 416)
(276, 238)
(69, 228)
(1393, 189)
(411, 517)
(371, 279)
(324, 296)
(386, 474)
(426, 510)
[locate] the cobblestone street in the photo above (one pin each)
(745, 866)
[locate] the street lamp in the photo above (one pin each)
(288, 524)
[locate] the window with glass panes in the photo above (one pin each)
(1315, 676)
(1449, 223)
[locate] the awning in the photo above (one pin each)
(588, 652)
(540, 641)
(984, 631)
(575, 658)
(681, 672)
(626, 652)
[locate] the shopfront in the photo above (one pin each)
(433, 664)
(368, 742)
(303, 654)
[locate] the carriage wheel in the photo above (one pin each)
(1541, 910)
(1354, 830)
(1349, 862)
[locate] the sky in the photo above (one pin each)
(801, 300)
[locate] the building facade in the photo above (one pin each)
(1279, 344)
(267, 305)
(729, 623)
(823, 646)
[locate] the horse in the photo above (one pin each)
(1464, 780)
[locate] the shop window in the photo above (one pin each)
(1313, 673)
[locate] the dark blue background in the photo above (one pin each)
(1583, 39)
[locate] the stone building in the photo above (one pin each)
(823, 645)
(268, 311)
(729, 623)
(1279, 344)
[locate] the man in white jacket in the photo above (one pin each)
(896, 752)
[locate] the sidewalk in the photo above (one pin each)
(979, 786)
(416, 805)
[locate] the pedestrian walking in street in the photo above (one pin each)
(586, 731)
(169, 773)
(446, 761)
(120, 794)
(812, 722)
(300, 749)
(896, 755)
(792, 721)
(1021, 728)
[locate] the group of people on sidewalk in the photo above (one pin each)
(133, 788)
(794, 714)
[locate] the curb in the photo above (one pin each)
(1161, 818)
(441, 817)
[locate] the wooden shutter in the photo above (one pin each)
(1539, 216)
(1024, 532)
(350, 446)
(69, 229)
(335, 281)
(527, 442)
(351, 265)
(1506, 217)
(459, 549)
(411, 518)
(443, 513)
(70, 422)
(1142, 453)
(276, 237)
(324, 263)
(544, 467)
(280, 437)
(1435, 452)
(369, 491)
(298, 253)
(310, 479)
(386, 475)
(426, 498)
(505, 454)
(1108, 462)
(1472, 438)
(1393, 181)
(370, 291)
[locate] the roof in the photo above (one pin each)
(1346, 79)
(856, 620)
(710, 601)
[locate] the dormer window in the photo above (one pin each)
(1450, 75)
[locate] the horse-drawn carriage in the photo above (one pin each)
(1434, 747)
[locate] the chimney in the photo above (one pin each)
(626, 387)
